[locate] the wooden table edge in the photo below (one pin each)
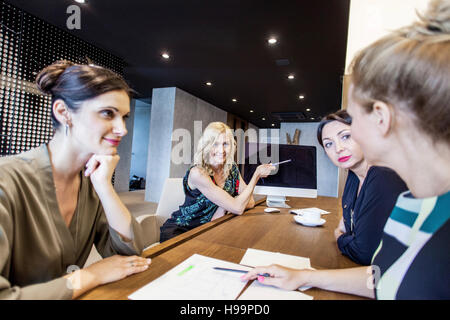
(176, 241)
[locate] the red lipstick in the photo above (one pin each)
(113, 141)
(344, 159)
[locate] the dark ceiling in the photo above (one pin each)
(225, 43)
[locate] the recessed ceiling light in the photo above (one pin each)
(312, 118)
(209, 84)
(80, 1)
(273, 124)
(263, 119)
(165, 55)
(272, 41)
(308, 109)
(291, 76)
(301, 97)
(234, 100)
(251, 111)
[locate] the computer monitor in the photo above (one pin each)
(297, 178)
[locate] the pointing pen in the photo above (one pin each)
(277, 163)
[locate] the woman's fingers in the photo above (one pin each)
(253, 274)
(136, 262)
(91, 165)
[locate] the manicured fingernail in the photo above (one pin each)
(260, 278)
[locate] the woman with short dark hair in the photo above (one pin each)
(57, 200)
(369, 194)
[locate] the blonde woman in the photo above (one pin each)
(399, 104)
(213, 185)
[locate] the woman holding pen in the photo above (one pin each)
(213, 185)
(399, 102)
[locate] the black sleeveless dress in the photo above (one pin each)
(197, 209)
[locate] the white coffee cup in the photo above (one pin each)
(311, 216)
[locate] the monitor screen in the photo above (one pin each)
(300, 172)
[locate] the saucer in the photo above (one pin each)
(301, 220)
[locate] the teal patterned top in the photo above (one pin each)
(197, 209)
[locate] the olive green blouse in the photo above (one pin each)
(36, 247)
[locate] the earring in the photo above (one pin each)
(67, 129)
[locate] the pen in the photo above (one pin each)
(240, 271)
(277, 163)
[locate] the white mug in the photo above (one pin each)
(311, 216)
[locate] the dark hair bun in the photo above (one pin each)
(48, 77)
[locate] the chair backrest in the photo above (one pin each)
(172, 197)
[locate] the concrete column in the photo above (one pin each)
(160, 144)
(172, 109)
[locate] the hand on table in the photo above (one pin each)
(117, 267)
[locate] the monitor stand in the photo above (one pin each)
(276, 201)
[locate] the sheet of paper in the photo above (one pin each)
(258, 291)
(300, 211)
(255, 257)
(195, 279)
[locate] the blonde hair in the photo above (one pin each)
(410, 69)
(206, 142)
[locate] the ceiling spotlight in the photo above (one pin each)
(165, 55)
(272, 41)
(308, 109)
(251, 111)
(291, 76)
(312, 118)
(263, 119)
(209, 84)
(234, 100)
(273, 124)
(301, 97)
(80, 1)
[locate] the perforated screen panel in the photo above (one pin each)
(27, 45)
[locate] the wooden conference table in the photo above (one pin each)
(228, 238)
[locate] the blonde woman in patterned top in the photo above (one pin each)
(213, 185)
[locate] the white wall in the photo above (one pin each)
(141, 132)
(371, 19)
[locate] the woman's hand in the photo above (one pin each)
(340, 230)
(117, 267)
(281, 277)
(264, 170)
(101, 168)
(105, 271)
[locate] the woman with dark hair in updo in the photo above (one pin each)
(369, 194)
(57, 200)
